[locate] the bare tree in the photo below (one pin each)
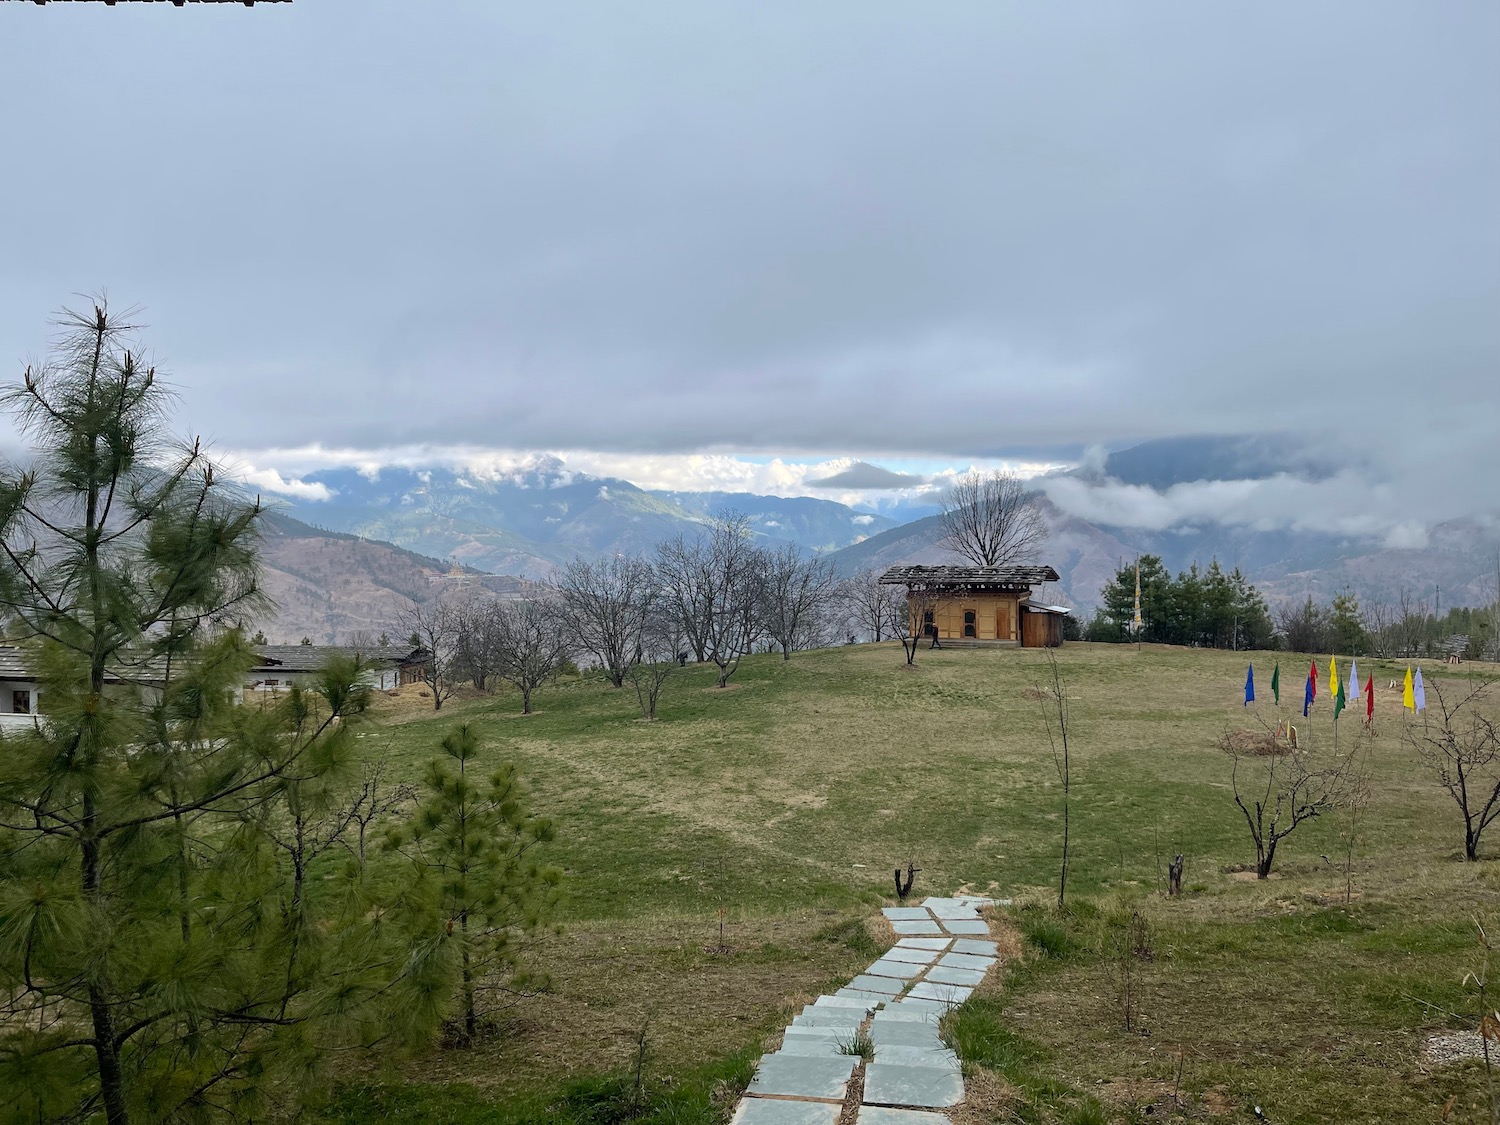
(436, 629)
(1278, 788)
(867, 604)
(658, 647)
(531, 644)
(714, 584)
(993, 520)
(606, 604)
(1462, 747)
(1054, 699)
(1305, 626)
(795, 592)
(910, 619)
(476, 643)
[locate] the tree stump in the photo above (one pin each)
(1174, 877)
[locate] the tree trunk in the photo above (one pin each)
(106, 1050)
(525, 700)
(1263, 860)
(471, 1019)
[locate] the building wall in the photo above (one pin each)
(996, 617)
(10, 717)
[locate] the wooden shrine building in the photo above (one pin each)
(980, 605)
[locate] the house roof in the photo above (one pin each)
(1056, 610)
(309, 658)
(969, 577)
(13, 664)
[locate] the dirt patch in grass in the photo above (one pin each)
(1257, 742)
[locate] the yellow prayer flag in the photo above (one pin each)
(1408, 699)
(1333, 676)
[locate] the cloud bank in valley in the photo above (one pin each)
(715, 247)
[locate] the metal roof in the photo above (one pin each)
(969, 577)
(309, 658)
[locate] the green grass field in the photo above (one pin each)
(781, 805)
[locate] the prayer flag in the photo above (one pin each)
(1276, 682)
(1135, 622)
(1338, 703)
(1370, 699)
(1408, 701)
(1419, 693)
(1310, 692)
(1354, 676)
(1333, 675)
(1250, 686)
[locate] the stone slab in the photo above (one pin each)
(938, 1057)
(901, 970)
(813, 1047)
(924, 943)
(899, 1033)
(925, 1087)
(837, 1001)
(981, 900)
(756, 1111)
(798, 1076)
(972, 945)
(797, 1032)
(916, 926)
(966, 961)
(950, 908)
(866, 983)
(885, 1115)
(963, 926)
(919, 1010)
(871, 998)
(905, 913)
(911, 956)
(828, 1017)
(946, 974)
(953, 994)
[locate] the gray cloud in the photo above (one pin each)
(811, 229)
(861, 474)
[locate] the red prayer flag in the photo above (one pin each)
(1312, 680)
(1370, 699)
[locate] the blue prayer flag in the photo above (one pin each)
(1250, 686)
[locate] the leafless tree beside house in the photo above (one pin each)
(606, 603)
(476, 645)
(868, 605)
(992, 519)
(910, 618)
(436, 628)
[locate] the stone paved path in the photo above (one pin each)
(940, 957)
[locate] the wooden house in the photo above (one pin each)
(980, 605)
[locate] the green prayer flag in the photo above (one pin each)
(1338, 702)
(1276, 682)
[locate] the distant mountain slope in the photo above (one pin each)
(530, 521)
(328, 585)
(819, 525)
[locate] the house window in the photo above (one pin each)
(20, 703)
(969, 624)
(929, 628)
(273, 683)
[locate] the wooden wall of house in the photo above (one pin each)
(997, 617)
(1041, 630)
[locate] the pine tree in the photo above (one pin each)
(479, 890)
(163, 954)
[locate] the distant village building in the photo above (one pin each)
(276, 668)
(386, 667)
(980, 605)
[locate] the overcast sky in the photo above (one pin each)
(917, 234)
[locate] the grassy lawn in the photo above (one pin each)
(782, 804)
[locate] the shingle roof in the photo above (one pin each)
(969, 577)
